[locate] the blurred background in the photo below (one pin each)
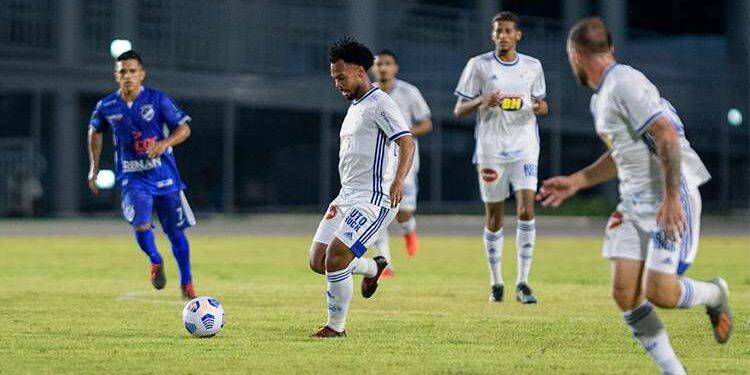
(254, 77)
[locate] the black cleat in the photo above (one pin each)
(158, 280)
(496, 294)
(524, 294)
(370, 284)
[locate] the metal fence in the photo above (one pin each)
(247, 70)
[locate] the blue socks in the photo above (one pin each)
(181, 251)
(146, 242)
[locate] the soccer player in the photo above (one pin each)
(507, 89)
(372, 184)
(652, 237)
(417, 114)
(146, 124)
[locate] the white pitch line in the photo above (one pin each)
(136, 296)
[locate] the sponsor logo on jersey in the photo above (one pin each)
(142, 145)
(615, 220)
(662, 242)
(488, 174)
(331, 212)
(140, 165)
(355, 220)
(511, 102)
(147, 112)
(163, 183)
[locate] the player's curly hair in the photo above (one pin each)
(351, 52)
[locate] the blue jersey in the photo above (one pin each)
(148, 120)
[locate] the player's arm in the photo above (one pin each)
(177, 136)
(405, 159)
(95, 139)
(669, 216)
(421, 128)
(465, 107)
(559, 188)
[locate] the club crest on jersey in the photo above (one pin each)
(147, 112)
(488, 174)
(511, 103)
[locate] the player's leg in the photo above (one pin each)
(383, 246)
(494, 189)
(640, 315)
(137, 207)
(525, 241)
(667, 287)
(175, 216)
(363, 223)
(323, 236)
(405, 215)
(626, 245)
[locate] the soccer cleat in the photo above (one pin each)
(721, 315)
(387, 274)
(158, 280)
(188, 291)
(370, 284)
(496, 294)
(412, 243)
(327, 333)
(524, 294)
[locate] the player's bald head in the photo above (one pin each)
(590, 36)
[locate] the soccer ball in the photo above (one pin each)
(203, 316)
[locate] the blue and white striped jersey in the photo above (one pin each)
(366, 168)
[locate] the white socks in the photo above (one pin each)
(525, 238)
(695, 293)
(409, 226)
(338, 296)
(384, 247)
(493, 246)
(364, 266)
(650, 333)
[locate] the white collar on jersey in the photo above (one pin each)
(368, 93)
(506, 63)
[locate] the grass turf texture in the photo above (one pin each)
(84, 305)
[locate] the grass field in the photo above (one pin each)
(84, 305)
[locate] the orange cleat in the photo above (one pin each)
(412, 243)
(327, 333)
(387, 274)
(188, 291)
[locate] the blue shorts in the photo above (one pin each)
(173, 210)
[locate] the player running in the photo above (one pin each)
(508, 89)
(146, 124)
(372, 184)
(657, 223)
(417, 114)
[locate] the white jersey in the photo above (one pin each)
(371, 125)
(624, 106)
(507, 133)
(409, 100)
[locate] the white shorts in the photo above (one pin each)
(356, 223)
(632, 233)
(411, 188)
(495, 180)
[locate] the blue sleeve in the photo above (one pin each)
(97, 121)
(172, 114)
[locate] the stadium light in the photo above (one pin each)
(118, 46)
(105, 179)
(734, 116)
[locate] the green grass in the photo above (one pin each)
(61, 313)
